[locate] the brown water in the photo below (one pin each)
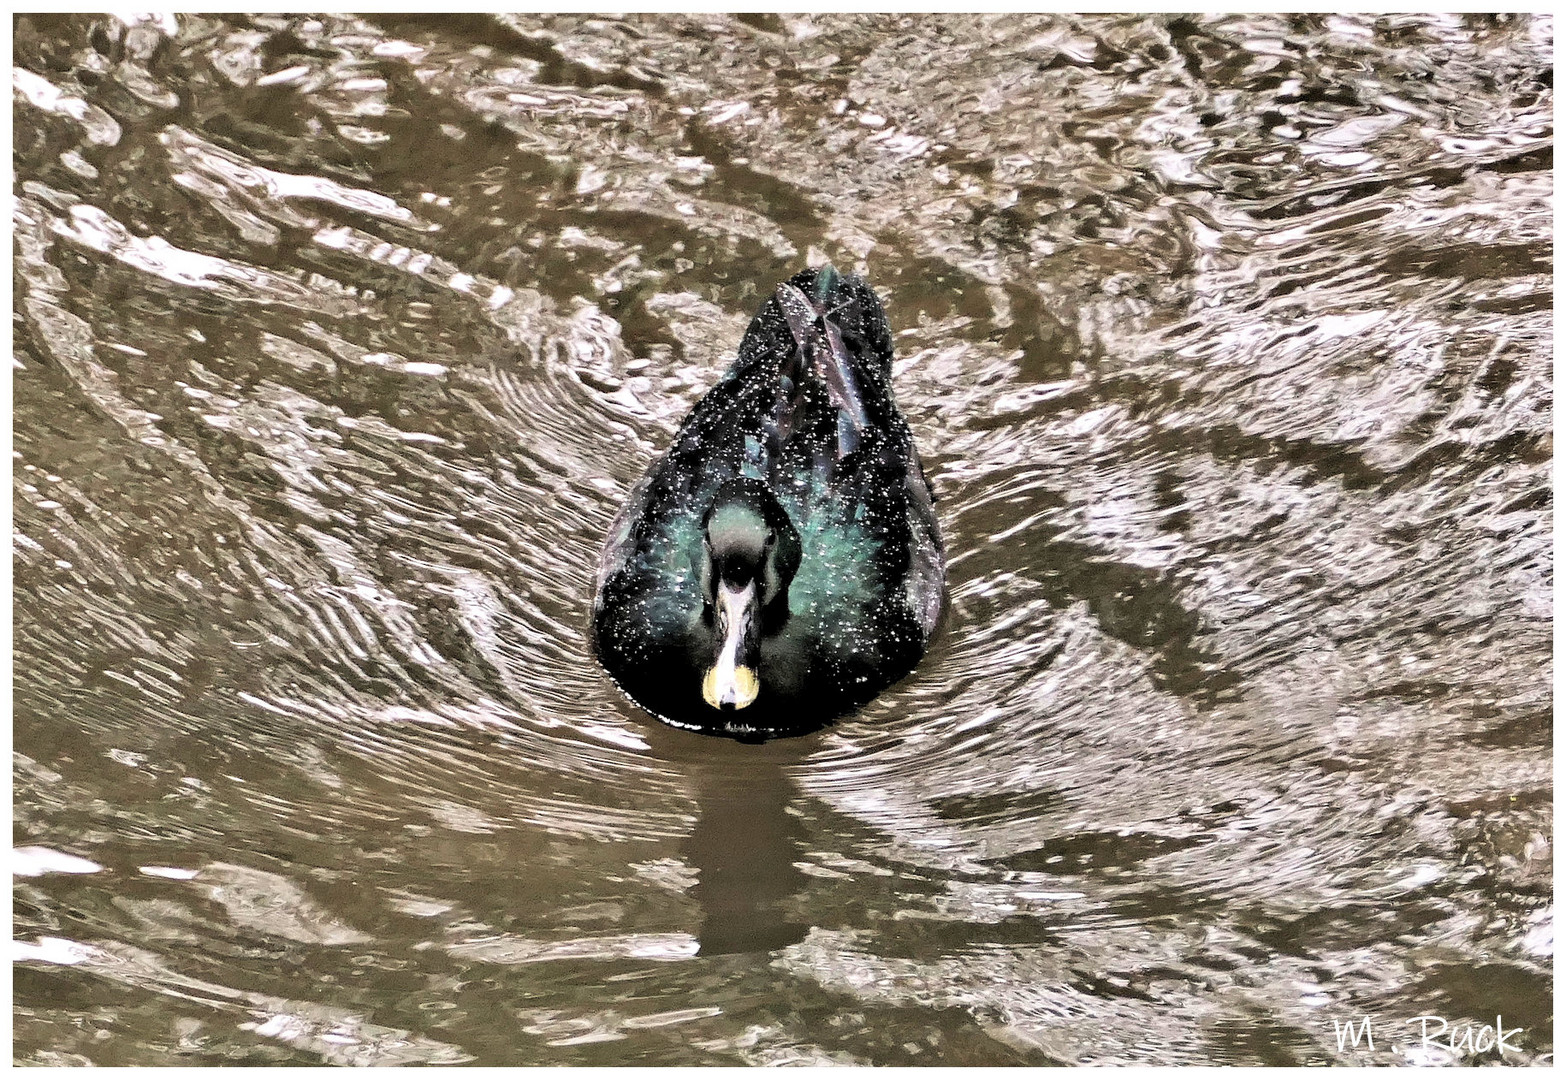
(338, 341)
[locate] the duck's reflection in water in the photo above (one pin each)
(745, 844)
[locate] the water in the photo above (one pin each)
(1227, 344)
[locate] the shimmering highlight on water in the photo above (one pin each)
(338, 341)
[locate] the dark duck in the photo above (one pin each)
(781, 564)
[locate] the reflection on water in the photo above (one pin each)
(745, 848)
(338, 341)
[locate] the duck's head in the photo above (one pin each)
(751, 553)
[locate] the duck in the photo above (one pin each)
(781, 564)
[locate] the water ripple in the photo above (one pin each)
(1227, 340)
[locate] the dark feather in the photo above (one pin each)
(806, 414)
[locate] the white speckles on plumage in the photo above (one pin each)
(831, 460)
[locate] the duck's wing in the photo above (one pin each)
(849, 428)
(828, 346)
(819, 351)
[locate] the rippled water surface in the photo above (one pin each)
(338, 342)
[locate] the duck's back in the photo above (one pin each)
(807, 409)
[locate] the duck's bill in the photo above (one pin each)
(736, 690)
(730, 683)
